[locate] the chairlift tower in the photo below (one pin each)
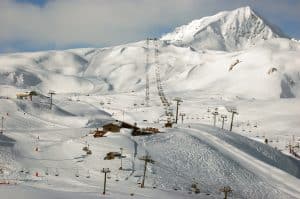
(147, 159)
(215, 113)
(178, 101)
(105, 171)
(121, 157)
(223, 120)
(233, 111)
(182, 115)
(208, 111)
(226, 190)
(51, 93)
(2, 125)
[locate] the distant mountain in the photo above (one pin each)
(227, 31)
(268, 69)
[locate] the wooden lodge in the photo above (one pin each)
(129, 126)
(112, 155)
(168, 124)
(99, 133)
(145, 131)
(26, 95)
(112, 127)
(117, 125)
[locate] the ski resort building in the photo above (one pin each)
(24, 96)
(99, 133)
(112, 127)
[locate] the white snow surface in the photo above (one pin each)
(123, 68)
(227, 30)
(97, 86)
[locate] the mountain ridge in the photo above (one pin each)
(226, 31)
(271, 63)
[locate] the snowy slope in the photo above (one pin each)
(265, 58)
(228, 30)
(272, 64)
(189, 153)
(94, 86)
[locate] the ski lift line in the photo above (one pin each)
(157, 73)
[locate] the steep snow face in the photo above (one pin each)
(226, 31)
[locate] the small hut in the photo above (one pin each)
(99, 133)
(168, 124)
(128, 126)
(145, 131)
(112, 127)
(26, 95)
(23, 96)
(112, 155)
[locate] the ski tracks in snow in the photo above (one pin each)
(268, 173)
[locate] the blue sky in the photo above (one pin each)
(33, 25)
(34, 2)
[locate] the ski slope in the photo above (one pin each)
(190, 152)
(41, 149)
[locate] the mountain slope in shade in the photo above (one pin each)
(226, 31)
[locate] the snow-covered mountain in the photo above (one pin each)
(228, 31)
(272, 64)
(42, 149)
(265, 71)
